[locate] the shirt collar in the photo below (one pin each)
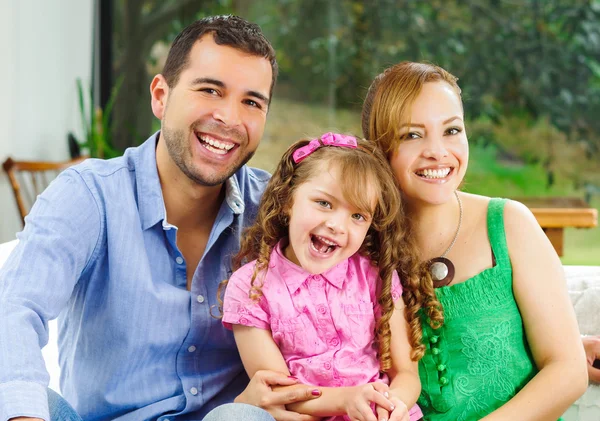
(294, 276)
(233, 195)
(150, 197)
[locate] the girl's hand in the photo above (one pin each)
(400, 413)
(357, 402)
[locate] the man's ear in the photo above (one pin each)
(159, 92)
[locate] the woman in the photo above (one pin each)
(502, 341)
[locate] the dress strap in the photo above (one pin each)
(496, 233)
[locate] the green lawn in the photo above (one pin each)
(582, 246)
(289, 121)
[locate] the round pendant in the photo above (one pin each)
(442, 271)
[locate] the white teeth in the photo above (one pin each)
(326, 241)
(215, 150)
(217, 145)
(439, 173)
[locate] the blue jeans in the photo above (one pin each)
(238, 411)
(60, 410)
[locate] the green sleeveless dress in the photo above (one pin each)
(479, 359)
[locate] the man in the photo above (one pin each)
(129, 253)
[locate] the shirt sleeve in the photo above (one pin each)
(61, 234)
(238, 307)
(396, 287)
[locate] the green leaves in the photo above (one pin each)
(96, 122)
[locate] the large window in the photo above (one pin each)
(530, 73)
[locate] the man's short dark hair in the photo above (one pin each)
(227, 30)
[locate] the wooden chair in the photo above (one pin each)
(29, 178)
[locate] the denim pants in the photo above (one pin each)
(60, 410)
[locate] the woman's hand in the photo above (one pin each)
(358, 399)
(259, 393)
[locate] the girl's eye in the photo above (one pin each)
(324, 204)
(453, 131)
(358, 217)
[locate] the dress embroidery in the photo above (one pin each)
(488, 357)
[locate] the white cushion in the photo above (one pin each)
(583, 283)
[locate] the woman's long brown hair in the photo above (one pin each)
(386, 108)
(367, 178)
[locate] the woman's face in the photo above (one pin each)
(431, 159)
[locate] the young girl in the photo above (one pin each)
(507, 345)
(320, 296)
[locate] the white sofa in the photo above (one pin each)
(584, 290)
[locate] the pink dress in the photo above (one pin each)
(324, 325)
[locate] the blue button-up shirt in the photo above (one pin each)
(134, 344)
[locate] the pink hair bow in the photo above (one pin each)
(328, 139)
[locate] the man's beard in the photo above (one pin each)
(180, 152)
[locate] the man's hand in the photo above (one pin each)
(592, 353)
(259, 393)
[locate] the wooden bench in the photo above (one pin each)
(554, 214)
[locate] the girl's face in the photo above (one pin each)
(431, 160)
(324, 229)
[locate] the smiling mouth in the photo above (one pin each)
(434, 174)
(322, 245)
(218, 147)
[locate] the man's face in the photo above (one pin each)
(214, 117)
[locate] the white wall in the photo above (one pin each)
(45, 45)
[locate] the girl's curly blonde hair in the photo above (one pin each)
(364, 170)
(386, 108)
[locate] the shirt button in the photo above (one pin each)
(335, 342)
(179, 260)
(194, 391)
(435, 351)
(327, 366)
(200, 298)
(441, 367)
(443, 380)
(321, 309)
(192, 348)
(434, 339)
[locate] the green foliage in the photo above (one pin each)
(96, 122)
(521, 139)
(535, 57)
(493, 169)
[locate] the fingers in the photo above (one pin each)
(274, 378)
(594, 374)
(300, 393)
(364, 412)
(398, 416)
(382, 413)
(284, 415)
(380, 400)
(401, 411)
(381, 388)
